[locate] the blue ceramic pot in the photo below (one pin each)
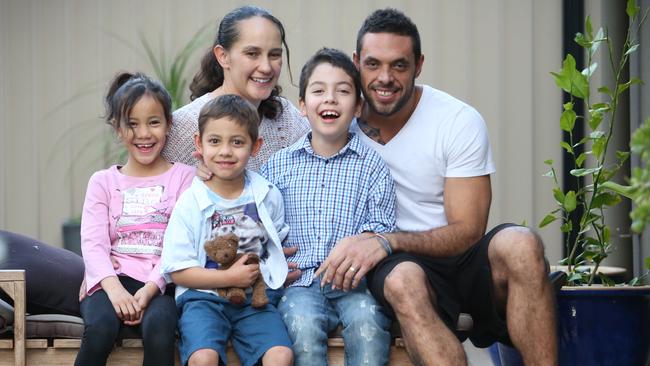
(599, 326)
(604, 325)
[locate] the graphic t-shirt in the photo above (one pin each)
(239, 217)
(141, 227)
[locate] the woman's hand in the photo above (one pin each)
(126, 306)
(201, 170)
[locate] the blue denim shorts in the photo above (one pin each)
(209, 321)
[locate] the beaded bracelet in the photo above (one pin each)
(384, 243)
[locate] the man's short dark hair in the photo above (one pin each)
(390, 20)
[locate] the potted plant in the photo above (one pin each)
(606, 323)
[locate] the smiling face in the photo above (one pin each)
(330, 104)
(144, 136)
(253, 63)
(226, 147)
(388, 70)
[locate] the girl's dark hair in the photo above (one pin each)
(210, 75)
(335, 58)
(124, 92)
(233, 107)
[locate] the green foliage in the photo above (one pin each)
(171, 70)
(597, 191)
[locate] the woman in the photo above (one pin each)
(246, 59)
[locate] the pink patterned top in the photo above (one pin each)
(125, 218)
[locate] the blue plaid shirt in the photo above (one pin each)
(327, 199)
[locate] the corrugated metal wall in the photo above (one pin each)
(57, 56)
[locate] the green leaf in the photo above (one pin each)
(559, 195)
(595, 119)
(605, 90)
(567, 120)
(583, 172)
(574, 277)
(547, 220)
(571, 80)
(588, 28)
(580, 159)
(606, 280)
(632, 49)
(633, 282)
(596, 134)
(582, 40)
(632, 9)
(599, 146)
(622, 156)
(647, 263)
(600, 37)
(568, 106)
(605, 199)
(548, 161)
(566, 227)
(570, 202)
(590, 70)
(566, 147)
(607, 234)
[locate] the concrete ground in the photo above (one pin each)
(477, 356)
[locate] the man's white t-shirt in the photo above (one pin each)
(444, 137)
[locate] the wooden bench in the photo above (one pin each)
(22, 350)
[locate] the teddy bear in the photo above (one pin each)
(223, 250)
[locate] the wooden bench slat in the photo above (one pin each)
(66, 343)
(36, 343)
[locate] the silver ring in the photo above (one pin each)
(352, 269)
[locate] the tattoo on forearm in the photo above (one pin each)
(370, 131)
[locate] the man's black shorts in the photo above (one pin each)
(461, 284)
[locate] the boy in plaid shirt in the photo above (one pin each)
(333, 187)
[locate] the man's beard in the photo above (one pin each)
(401, 102)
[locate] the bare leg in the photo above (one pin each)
(427, 338)
(204, 357)
(522, 289)
(278, 355)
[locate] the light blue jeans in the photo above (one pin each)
(310, 313)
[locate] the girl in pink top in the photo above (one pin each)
(124, 216)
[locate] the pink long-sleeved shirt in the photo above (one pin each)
(126, 217)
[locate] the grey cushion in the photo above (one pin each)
(54, 326)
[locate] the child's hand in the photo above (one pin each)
(201, 170)
(243, 275)
(143, 296)
(83, 289)
(125, 305)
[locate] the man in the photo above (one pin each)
(438, 152)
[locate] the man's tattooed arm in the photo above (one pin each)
(370, 131)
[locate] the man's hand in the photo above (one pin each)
(294, 271)
(350, 260)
